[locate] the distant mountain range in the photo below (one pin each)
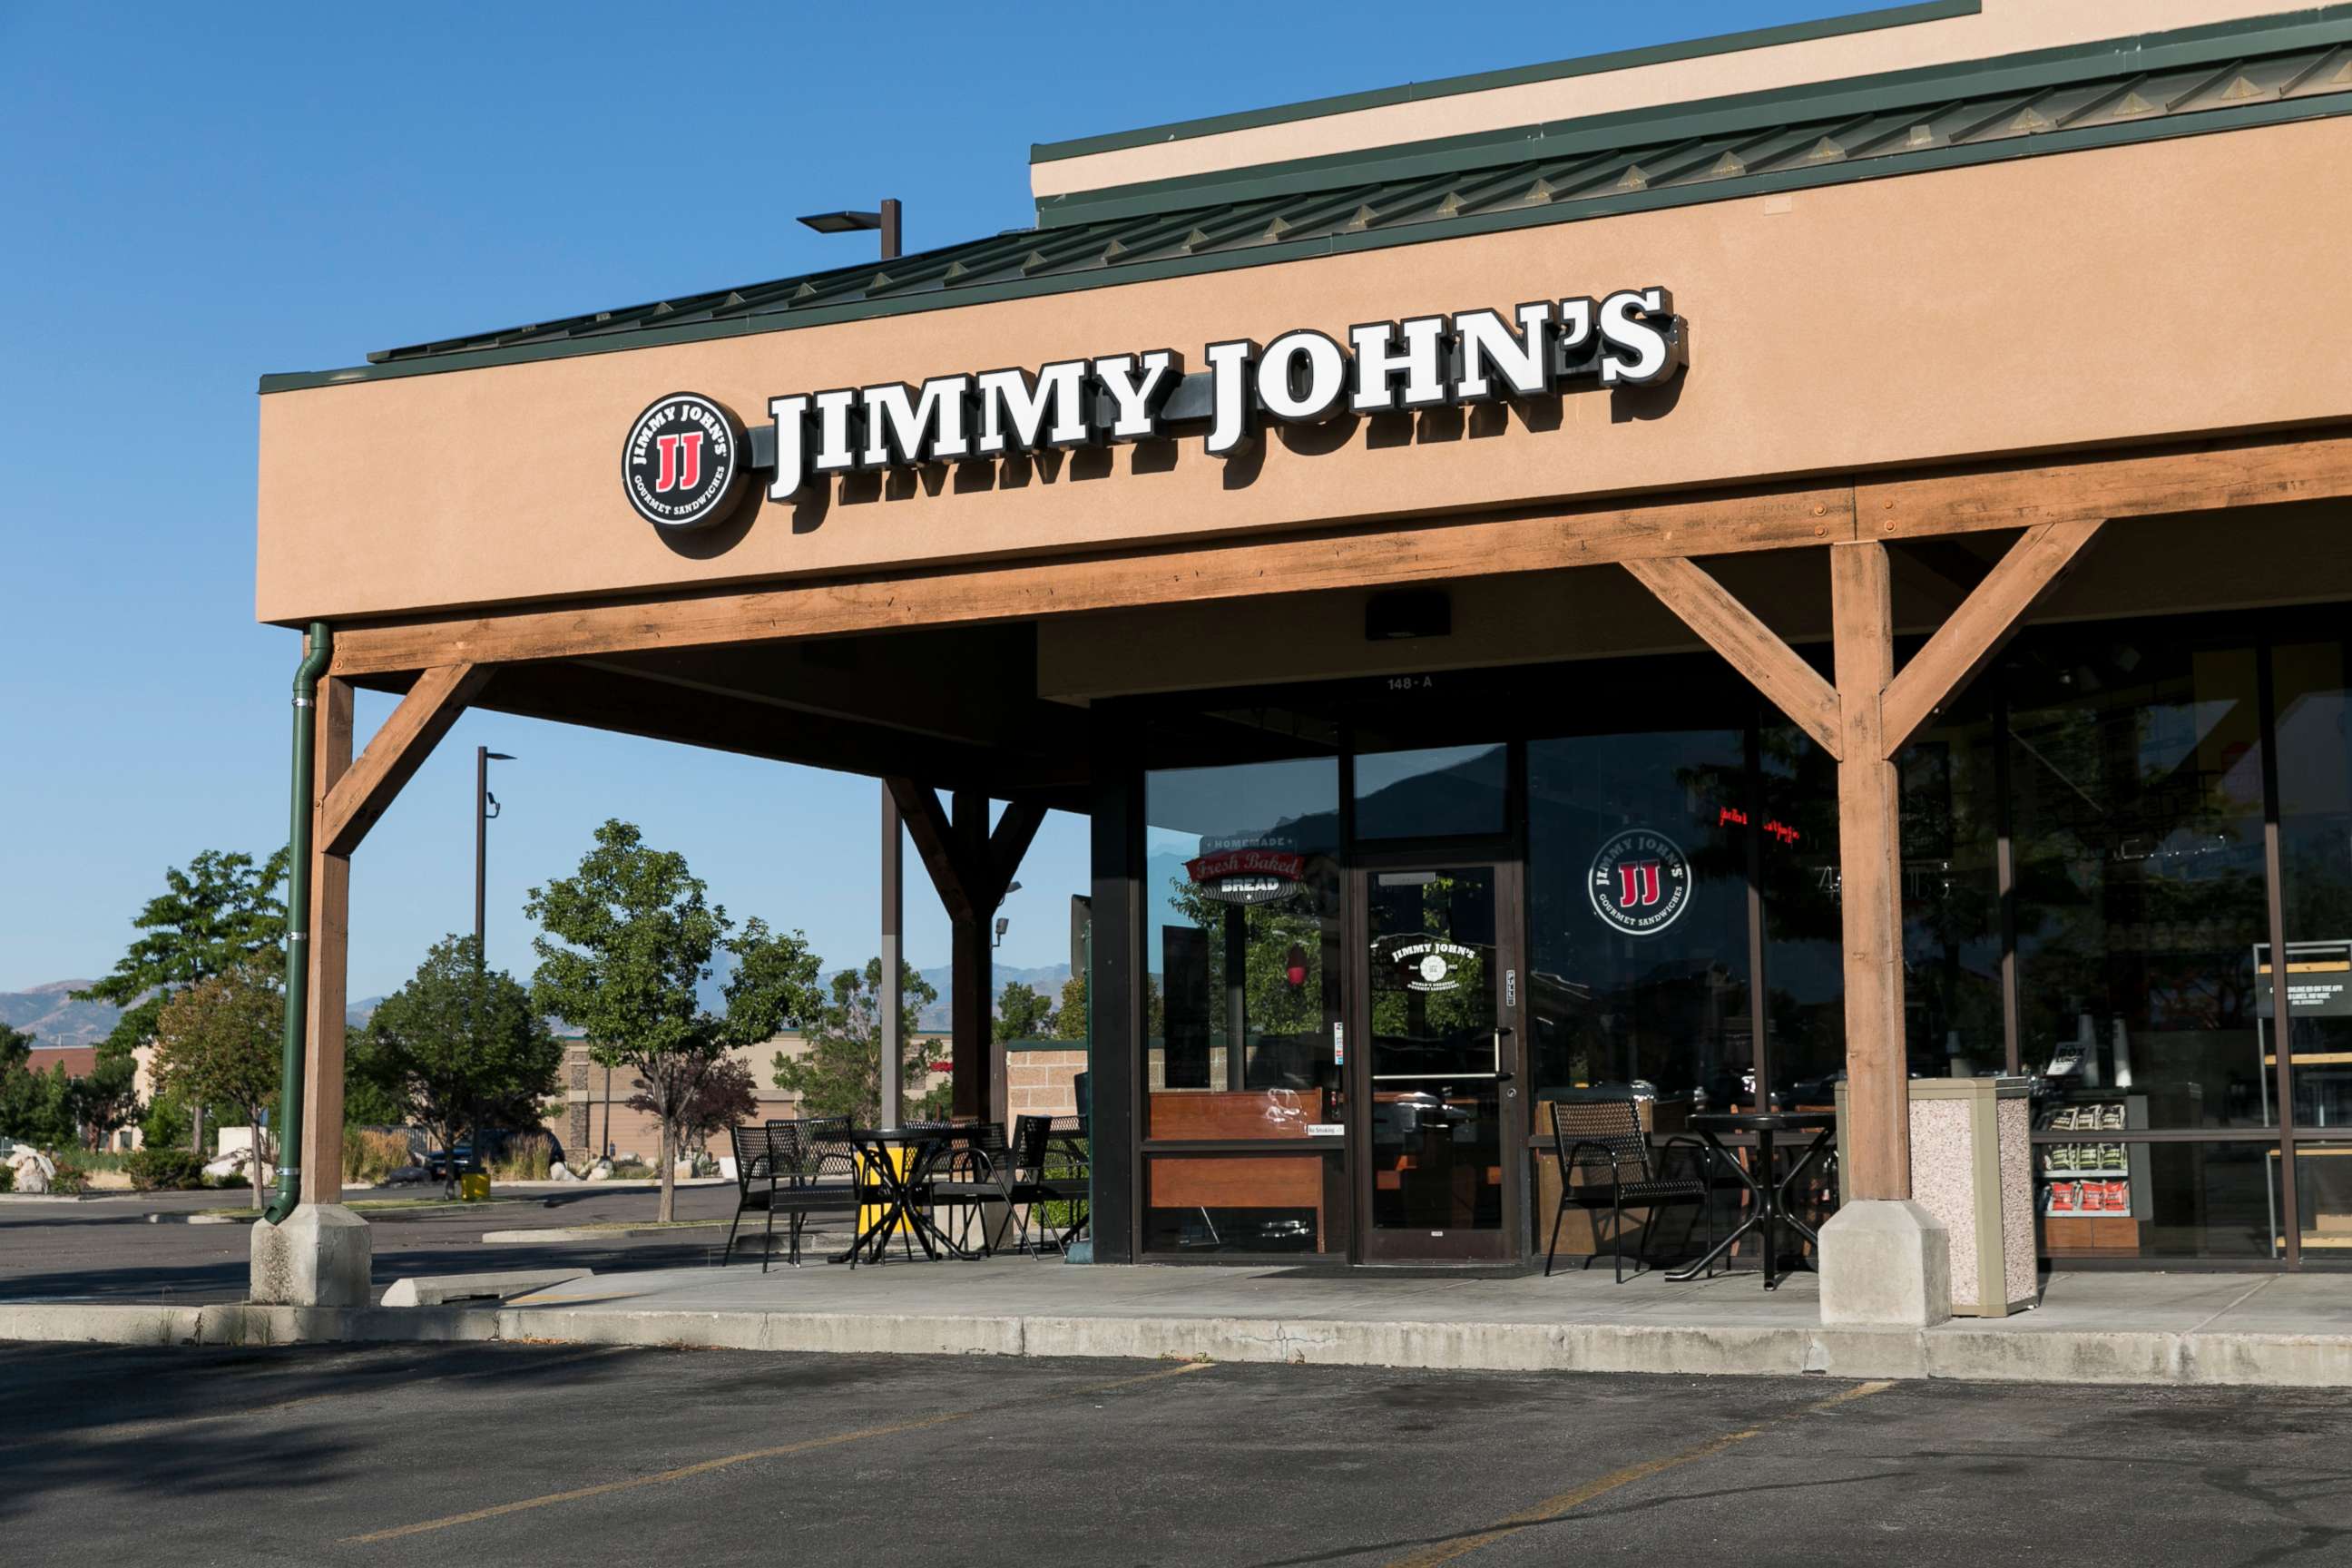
(1048, 980)
(55, 1019)
(50, 1014)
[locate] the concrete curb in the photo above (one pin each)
(1977, 1355)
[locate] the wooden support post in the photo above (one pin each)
(321, 1154)
(969, 1013)
(1870, 879)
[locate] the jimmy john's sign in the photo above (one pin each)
(685, 456)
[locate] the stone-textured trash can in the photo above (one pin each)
(1972, 1168)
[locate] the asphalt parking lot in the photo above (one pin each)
(108, 1250)
(468, 1453)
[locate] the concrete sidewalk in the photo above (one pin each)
(2182, 1329)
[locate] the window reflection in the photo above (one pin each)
(1434, 792)
(1242, 987)
(2315, 794)
(2136, 780)
(1612, 1001)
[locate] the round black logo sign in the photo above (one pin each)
(1641, 882)
(683, 463)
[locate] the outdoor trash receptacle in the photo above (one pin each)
(1972, 1168)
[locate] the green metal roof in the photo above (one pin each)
(2204, 80)
(1514, 76)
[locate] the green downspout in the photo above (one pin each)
(298, 926)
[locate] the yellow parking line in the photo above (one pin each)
(1554, 1507)
(728, 1461)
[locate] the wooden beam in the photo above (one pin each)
(322, 1154)
(1870, 883)
(363, 794)
(1986, 620)
(2127, 484)
(1015, 832)
(1535, 540)
(936, 844)
(1745, 643)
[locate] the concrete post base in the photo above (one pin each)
(1885, 1264)
(319, 1258)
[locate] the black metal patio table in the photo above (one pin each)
(898, 1184)
(1771, 1205)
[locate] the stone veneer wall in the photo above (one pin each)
(1043, 1082)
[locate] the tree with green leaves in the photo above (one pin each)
(627, 941)
(36, 1108)
(1023, 1012)
(460, 1048)
(727, 1096)
(1070, 1018)
(220, 912)
(217, 1043)
(838, 1071)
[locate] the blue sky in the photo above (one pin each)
(195, 195)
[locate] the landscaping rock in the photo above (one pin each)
(34, 1170)
(602, 1171)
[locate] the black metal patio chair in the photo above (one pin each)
(794, 1168)
(1050, 1167)
(977, 1172)
(1605, 1135)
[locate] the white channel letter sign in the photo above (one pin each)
(1629, 338)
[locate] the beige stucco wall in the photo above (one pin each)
(2002, 27)
(2126, 294)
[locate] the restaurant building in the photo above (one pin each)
(1793, 562)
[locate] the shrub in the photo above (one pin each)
(7, 1178)
(370, 1154)
(164, 1170)
(527, 1157)
(69, 1179)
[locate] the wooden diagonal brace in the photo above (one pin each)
(936, 844)
(1748, 644)
(1015, 831)
(1985, 621)
(398, 750)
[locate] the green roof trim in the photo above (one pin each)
(1840, 132)
(1517, 75)
(1856, 95)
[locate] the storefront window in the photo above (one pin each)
(2114, 1199)
(1242, 882)
(1204, 1204)
(1432, 793)
(2136, 777)
(1804, 936)
(2314, 795)
(1637, 876)
(1951, 893)
(2323, 1202)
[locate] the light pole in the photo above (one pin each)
(891, 997)
(485, 806)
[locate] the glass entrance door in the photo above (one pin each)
(1436, 1004)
